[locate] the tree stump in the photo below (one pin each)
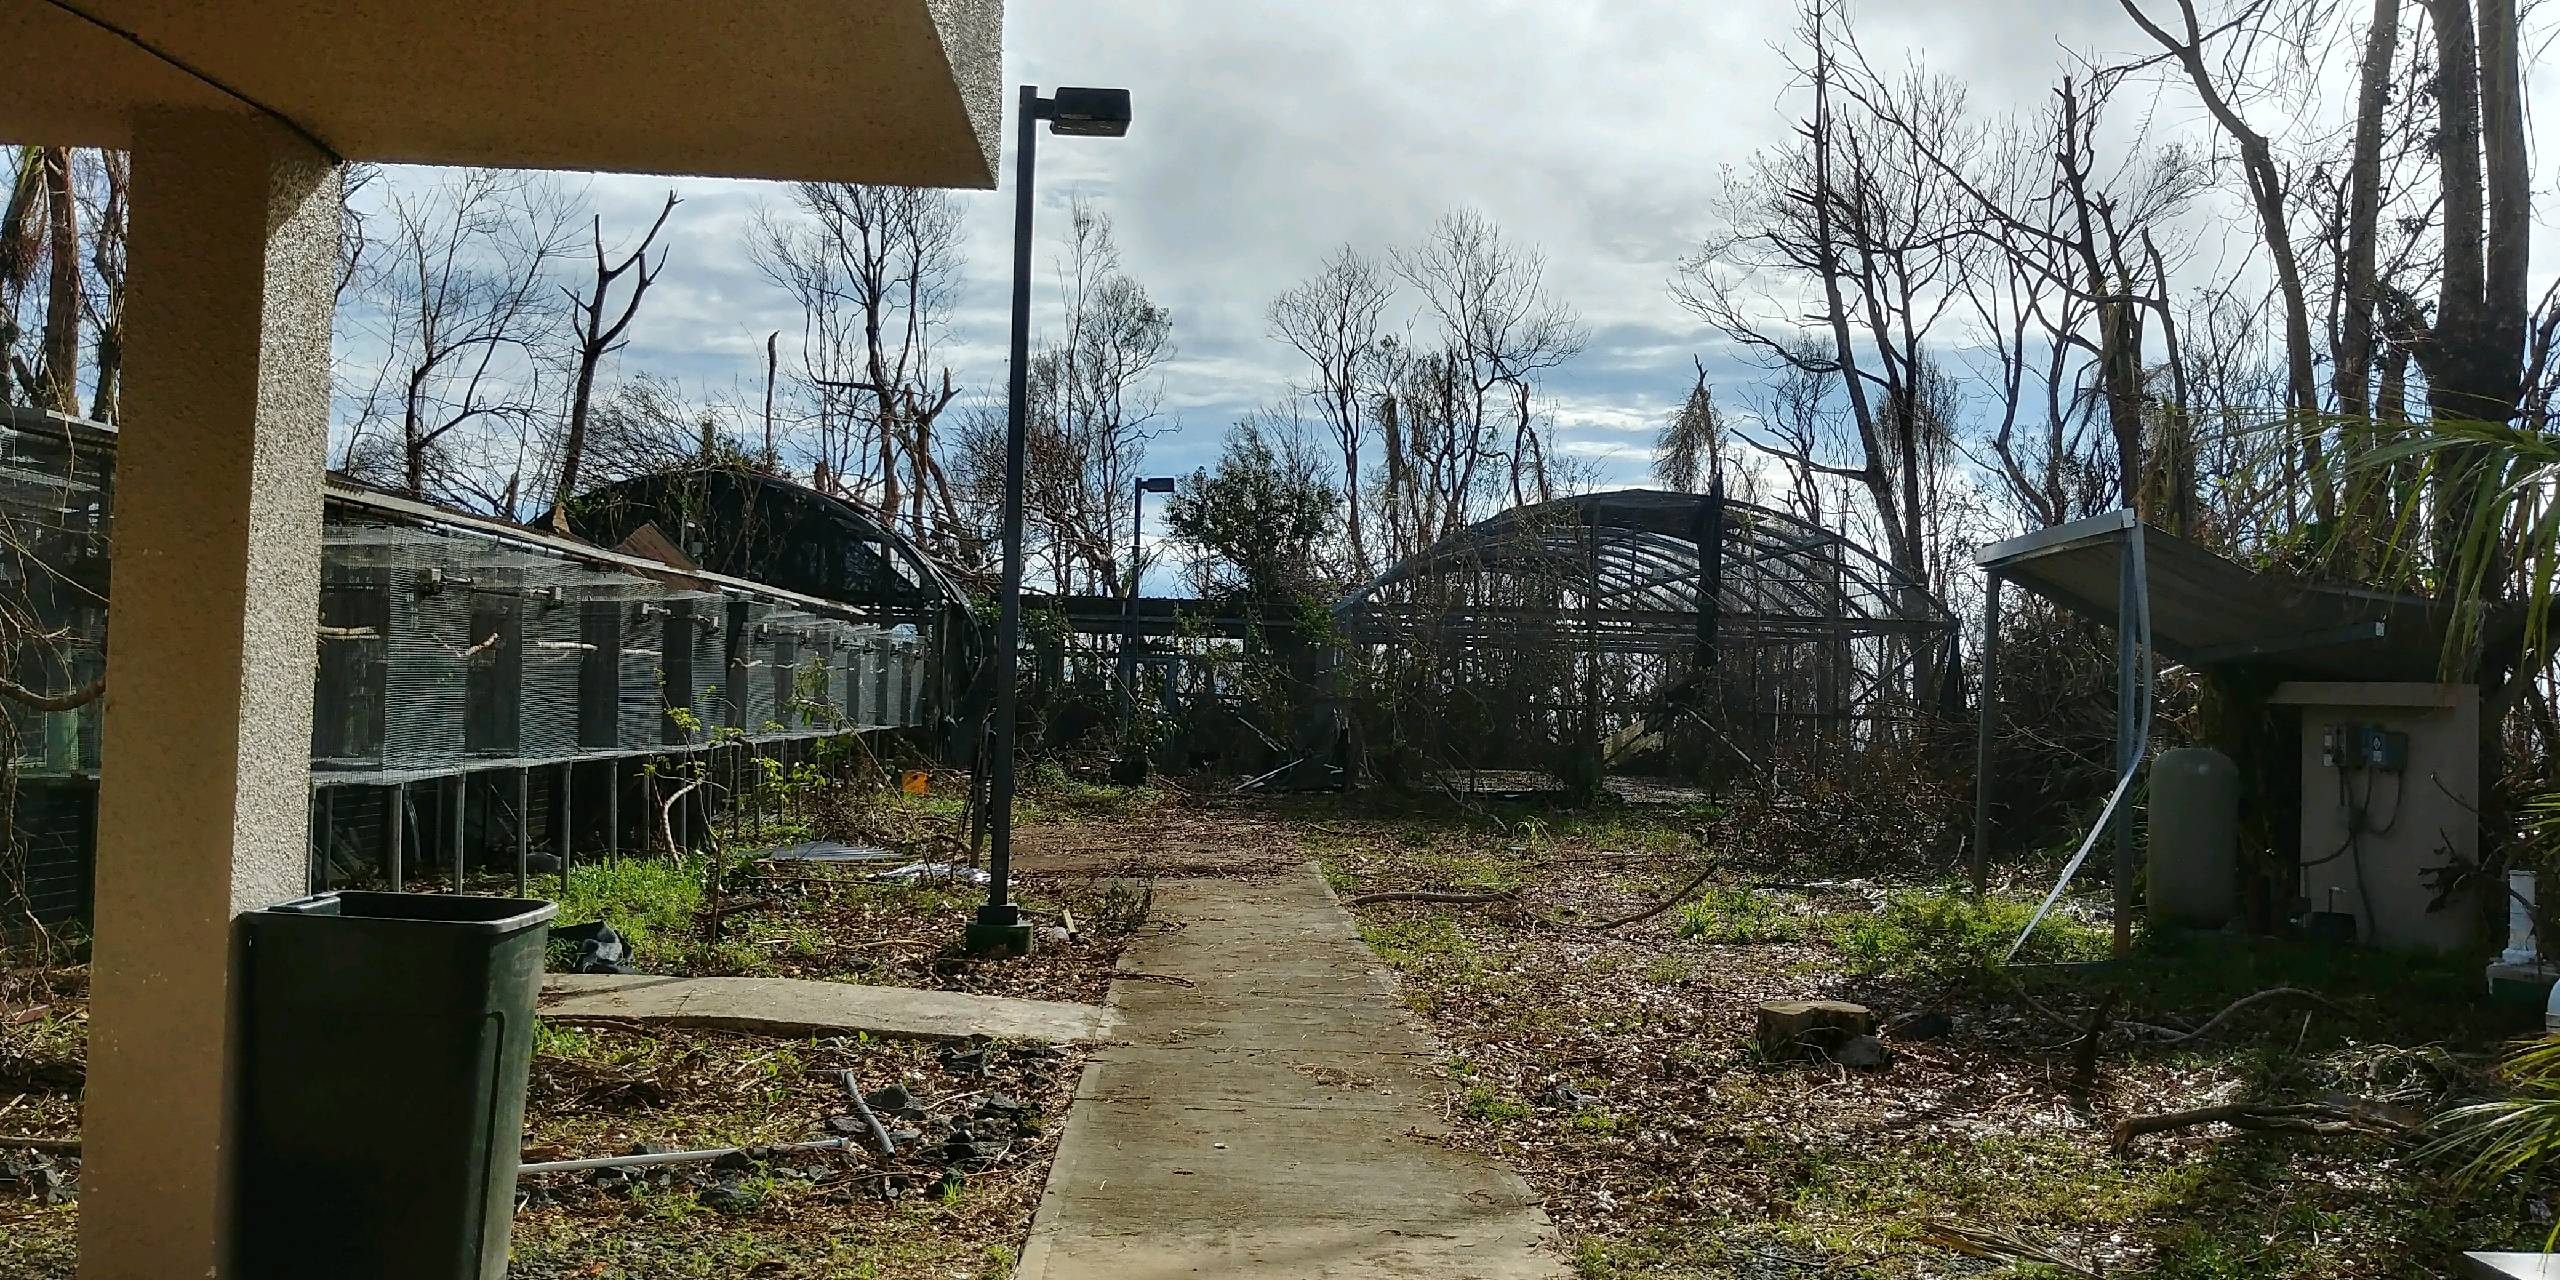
(1788, 1026)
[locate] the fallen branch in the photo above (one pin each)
(1452, 897)
(2168, 1036)
(2359, 1115)
(1658, 908)
(1997, 1246)
(50, 1146)
(682, 1157)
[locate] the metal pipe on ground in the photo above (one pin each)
(680, 1157)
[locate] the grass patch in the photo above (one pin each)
(649, 901)
(1739, 915)
(1416, 940)
(1482, 1102)
(1940, 933)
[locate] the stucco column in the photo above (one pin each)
(206, 758)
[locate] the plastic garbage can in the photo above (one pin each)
(389, 1037)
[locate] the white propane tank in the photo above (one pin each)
(2195, 838)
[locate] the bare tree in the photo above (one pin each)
(598, 336)
(1093, 401)
(876, 272)
(1332, 319)
(2269, 192)
(1873, 225)
(1497, 331)
(460, 302)
(105, 202)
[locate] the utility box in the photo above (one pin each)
(2195, 839)
(2390, 809)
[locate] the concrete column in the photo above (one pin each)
(201, 810)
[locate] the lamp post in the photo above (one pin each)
(1090, 113)
(1129, 607)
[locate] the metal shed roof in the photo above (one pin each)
(2207, 611)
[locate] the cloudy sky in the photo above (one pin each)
(1270, 131)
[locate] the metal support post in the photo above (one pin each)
(524, 832)
(1988, 670)
(613, 813)
(564, 819)
(399, 824)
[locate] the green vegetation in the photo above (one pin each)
(1739, 915)
(1415, 940)
(649, 901)
(1483, 1102)
(1938, 934)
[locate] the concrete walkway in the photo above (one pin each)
(798, 1007)
(1275, 1120)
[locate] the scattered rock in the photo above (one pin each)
(600, 948)
(728, 1197)
(894, 1102)
(1862, 1052)
(967, 1061)
(1563, 1096)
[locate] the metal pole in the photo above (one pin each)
(999, 913)
(1129, 606)
(399, 821)
(1988, 670)
(568, 809)
(461, 818)
(613, 812)
(2128, 604)
(328, 839)
(524, 832)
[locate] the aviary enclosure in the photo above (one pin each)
(1642, 632)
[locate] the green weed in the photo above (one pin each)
(1935, 934)
(1739, 915)
(643, 898)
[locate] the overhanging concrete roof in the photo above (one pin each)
(889, 91)
(2207, 611)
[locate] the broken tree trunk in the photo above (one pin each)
(1789, 1025)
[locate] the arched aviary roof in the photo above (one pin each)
(771, 530)
(1633, 560)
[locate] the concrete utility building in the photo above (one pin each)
(239, 116)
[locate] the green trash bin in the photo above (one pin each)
(389, 1036)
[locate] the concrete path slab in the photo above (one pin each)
(798, 1007)
(1275, 1120)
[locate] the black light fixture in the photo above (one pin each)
(1074, 112)
(1088, 113)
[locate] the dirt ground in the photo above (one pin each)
(1616, 1068)
(974, 1151)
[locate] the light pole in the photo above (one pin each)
(1129, 608)
(1091, 113)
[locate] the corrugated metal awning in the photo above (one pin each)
(2207, 611)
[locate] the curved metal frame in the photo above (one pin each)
(1801, 624)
